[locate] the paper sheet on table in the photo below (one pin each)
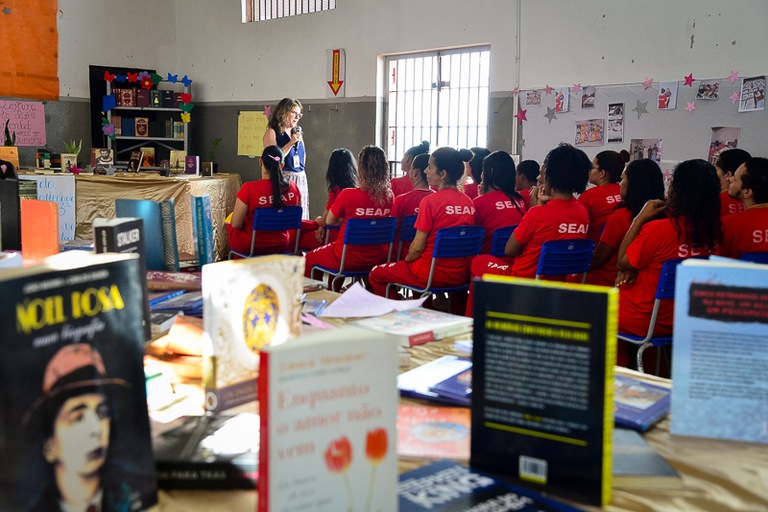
(359, 302)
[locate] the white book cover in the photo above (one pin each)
(417, 326)
(249, 304)
(328, 408)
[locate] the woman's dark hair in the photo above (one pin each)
(731, 159)
(476, 162)
(612, 162)
(418, 150)
(567, 169)
(9, 172)
(529, 169)
(452, 162)
(645, 181)
(756, 178)
(694, 203)
(281, 110)
(373, 170)
(342, 170)
(272, 158)
(421, 162)
(499, 174)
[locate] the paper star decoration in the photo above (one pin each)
(516, 91)
(640, 108)
(185, 116)
(735, 97)
(521, 115)
(173, 78)
(186, 81)
(267, 111)
(647, 82)
(733, 76)
(689, 80)
(550, 114)
(576, 88)
(548, 89)
(691, 106)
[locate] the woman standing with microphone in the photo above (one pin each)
(284, 132)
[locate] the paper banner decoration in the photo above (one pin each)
(691, 106)
(173, 78)
(733, 76)
(186, 81)
(121, 78)
(108, 128)
(647, 82)
(548, 90)
(267, 111)
(147, 83)
(576, 88)
(186, 98)
(108, 102)
(144, 75)
(521, 115)
(133, 77)
(640, 108)
(108, 76)
(735, 97)
(156, 79)
(185, 116)
(689, 80)
(186, 107)
(550, 115)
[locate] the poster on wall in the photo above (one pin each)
(336, 69)
(589, 133)
(752, 94)
(645, 148)
(562, 99)
(708, 90)
(723, 138)
(588, 97)
(667, 95)
(61, 190)
(615, 122)
(26, 121)
(533, 99)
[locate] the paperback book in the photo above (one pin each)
(433, 432)
(192, 165)
(39, 230)
(163, 280)
(639, 405)
(637, 466)
(458, 387)
(190, 304)
(202, 229)
(418, 326)
(417, 383)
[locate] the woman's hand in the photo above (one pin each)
(296, 136)
(626, 277)
(320, 234)
(652, 209)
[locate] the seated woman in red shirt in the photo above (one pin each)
(446, 208)
(341, 174)
(473, 170)
(526, 176)
(641, 181)
(372, 200)
(402, 184)
(687, 224)
(726, 165)
(601, 200)
(500, 205)
(408, 203)
(273, 190)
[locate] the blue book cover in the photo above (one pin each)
(149, 211)
(202, 223)
(158, 297)
(168, 228)
(457, 387)
(190, 303)
(446, 486)
(638, 405)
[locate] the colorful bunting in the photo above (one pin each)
(185, 116)
(173, 78)
(521, 115)
(108, 102)
(647, 82)
(691, 106)
(108, 76)
(133, 77)
(689, 80)
(186, 81)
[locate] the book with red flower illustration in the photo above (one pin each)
(433, 432)
(328, 405)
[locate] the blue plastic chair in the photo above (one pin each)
(407, 232)
(360, 232)
(273, 219)
(499, 240)
(455, 242)
(565, 257)
(755, 257)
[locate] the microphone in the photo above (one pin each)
(296, 130)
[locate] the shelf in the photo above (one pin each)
(166, 139)
(149, 109)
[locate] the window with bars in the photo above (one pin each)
(441, 97)
(261, 10)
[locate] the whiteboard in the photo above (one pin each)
(251, 126)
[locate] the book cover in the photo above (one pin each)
(27, 189)
(142, 97)
(156, 99)
(190, 303)
(72, 386)
(208, 452)
(39, 230)
(177, 160)
(163, 280)
(134, 161)
(101, 158)
(192, 165)
(720, 356)
(10, 216)
(250, 304)
(457, 387)
(168, 230)
(117, 122)
(158, 297)
(542, 371)
(178, 130)
(639, 405)
(433, 432)
(128, 127)
(637, 466)
(161, 321)
(177, 99)
(445, 486)
(124, 235)
(127, 97)
(167, 98)
(10, 154)
(142, 126)
(417, 326)
(202, 228)
(147, 157)
(149, 212)
(328, 407)
(416, 383)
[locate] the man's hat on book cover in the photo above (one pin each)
(74, 370)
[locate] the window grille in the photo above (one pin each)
(261, 10)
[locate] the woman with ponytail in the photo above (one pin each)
(273, 190)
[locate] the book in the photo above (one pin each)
(177, 160)
(101, 158)
(190, 304)
(76, 245)
(10, 154)
(542, 370)
(433, 432)
(149, 212)
(451, 487)
(10, 215)
(158, 297)
(27, 190)
(192, 165)
(142, 126)
(417, 326)
(250, 304)
(156, 99)
(72, 383)
(328, 409)
(161, 321)
(637, 466)
(117, 122)
(163, 280)
(39, 230)
(209, 452)
(10, 260)
(416, 383)
(142, 97)
(207, 169)
(134, 161)
(202, 229)
(43, 158)
(127, 127)
(168, 230)
(167, 98)
(458, 387)
(125, 235)
(148, 157)
(127, 97)
(639, 405)
(720, 351)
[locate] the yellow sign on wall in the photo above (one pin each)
(251, 126)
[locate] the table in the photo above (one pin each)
(95, 197)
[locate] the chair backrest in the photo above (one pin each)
(564, 257)
(499, 240)
(756, 257)
(380, 230)
(407, 231)
(277, 219)
(458, 241)
(666, 287)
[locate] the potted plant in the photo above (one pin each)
(212, 154)
(69, 158)
(10, 153)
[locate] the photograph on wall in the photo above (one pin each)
(752, 94)
(723, 138)
(588, 97)
(589, 132)
(708, 90)
(533, 99)
(645, 148)
(615, 122)
(667, 95)
(562, 99)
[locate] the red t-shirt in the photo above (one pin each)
(559, 219)
(408, 203)
(258, 194)
(401, 185)
(657, 242)
(616, 227)
(332, 195)
(496, 210)
(600, 202)
(526, 193)
(446, 208)
(729, 205)
(354, 203)
(745, 232)
(470, 188)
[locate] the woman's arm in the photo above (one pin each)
(331, 219)
(601, 255)
(513, 247)
(417, 246)
(652, 209)
(238, 214)
(270, 139)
